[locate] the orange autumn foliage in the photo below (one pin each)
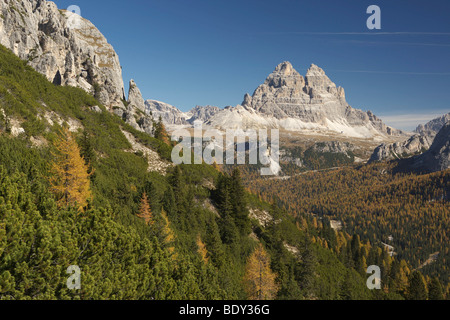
(259, 279)
(69, 173)
(145, 211)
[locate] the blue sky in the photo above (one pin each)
(211, 52)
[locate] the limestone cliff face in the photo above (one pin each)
(202, 113)
(66, 48)
(416, 144)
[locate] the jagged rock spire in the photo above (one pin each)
(135, 98)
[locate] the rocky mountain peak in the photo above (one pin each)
(297, 103)
(285, 75)
(285, 68)
(317, 80)
(315, 70)
(203, 113)
(67, 49)
(169, 114)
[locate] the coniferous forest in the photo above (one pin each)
(80, 197)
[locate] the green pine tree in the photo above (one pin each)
(417, 288)
(435, 291)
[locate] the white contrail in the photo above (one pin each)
(410, 121)
(394, 72)
(396, 43)
(374, 33)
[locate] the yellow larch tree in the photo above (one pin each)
(216, 166)
(259, 279)
(69, 173)
(203, 252)
(169, 237)
(145, 212)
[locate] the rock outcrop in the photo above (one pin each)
(135, 99)
(67, 49)
(415, 145)
(333, 147)
(134, 112)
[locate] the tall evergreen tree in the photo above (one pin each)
(239, 203)
(176, 182)
(229, 232)
(214, 243)
(160, 131)
(417, 288)
(87, 151)
(308, 266)
(435, 290)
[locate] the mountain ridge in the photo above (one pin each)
(437, 158)
(417, 144)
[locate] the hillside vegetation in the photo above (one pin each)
(193, 233)
(375, 203)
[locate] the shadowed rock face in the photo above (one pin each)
(66, 48)
(437, 158)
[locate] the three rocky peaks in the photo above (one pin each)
(289, 101)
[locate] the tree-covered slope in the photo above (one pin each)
(203, 231)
